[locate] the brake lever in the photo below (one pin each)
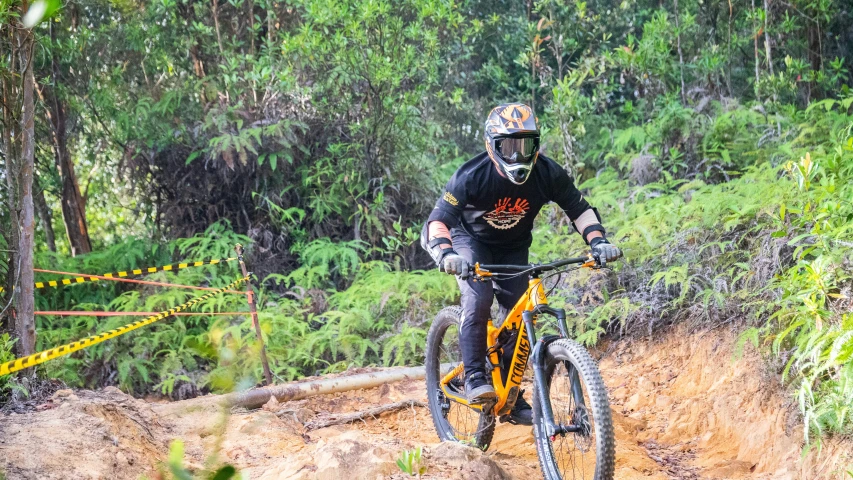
(594, 262)
(477, 274)
(597, 262)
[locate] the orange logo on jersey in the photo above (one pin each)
(507, 214)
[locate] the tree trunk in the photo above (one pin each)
(680, 54)
(767, 37)
(251, 5)
(815, 59)
(296, 391)
(25, 318)
(216, 27)
(44, 216)
(533, 81)
(73, 204)
(10, 134)
(755, 34)
(270, 23)
(219, 40)
(729, 51)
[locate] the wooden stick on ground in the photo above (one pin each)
(341, 418)
(297, 391)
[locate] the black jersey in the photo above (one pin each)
(495, 211)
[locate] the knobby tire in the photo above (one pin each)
(458, 423)
(568, 457)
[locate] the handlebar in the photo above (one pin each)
(533, 269)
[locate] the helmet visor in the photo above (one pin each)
(517, 150)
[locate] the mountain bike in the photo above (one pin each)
(572, 424)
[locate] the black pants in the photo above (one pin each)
(477, 296)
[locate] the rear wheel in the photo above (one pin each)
(453, 421)
(578, 397)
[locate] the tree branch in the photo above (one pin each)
(331, 419)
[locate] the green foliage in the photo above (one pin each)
(322, 260)
(412, 462)
(171, 352)
(177, 471)
(319, 132)
(9, 384)
(715, 246)
(380, 319)
(763, 236)
(40, 11)
(810, 327)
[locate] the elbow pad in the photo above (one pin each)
(595, 227)
(437, 248)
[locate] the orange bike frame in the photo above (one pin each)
(506, 392)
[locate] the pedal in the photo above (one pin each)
(486, 404)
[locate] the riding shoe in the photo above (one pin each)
(479, 389)
(522, 412)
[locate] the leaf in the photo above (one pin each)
(228, 156)
(192, 156)
(778, 234)
(176, 452)
(256, 133)
(225, 473)
(176, 460)
(797, 239)
(39, 11)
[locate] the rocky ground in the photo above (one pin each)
(683, 408)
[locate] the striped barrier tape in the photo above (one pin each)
(56, 352)
(128, 273)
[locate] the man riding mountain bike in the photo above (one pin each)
(486, 215)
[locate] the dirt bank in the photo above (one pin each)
(683, 409)
(700, 412)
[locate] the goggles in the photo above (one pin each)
(517, 150)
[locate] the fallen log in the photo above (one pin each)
(296, 391)
(331, 419)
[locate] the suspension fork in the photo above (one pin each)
(539, 368)
(577, 390)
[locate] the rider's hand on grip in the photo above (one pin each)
(603, 251)
(455, 264)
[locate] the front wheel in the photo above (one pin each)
(453, 421)
(578, 397)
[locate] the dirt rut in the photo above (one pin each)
(683, 408)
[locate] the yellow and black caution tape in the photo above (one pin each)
(56, 352)
(129, 273)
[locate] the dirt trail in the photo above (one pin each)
(682, 408)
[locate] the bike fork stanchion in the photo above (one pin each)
(561, 322)
(551, 428)
(250, 295)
